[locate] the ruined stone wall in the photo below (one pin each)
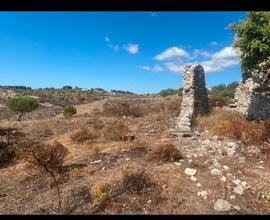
(195, 99)
(252, 97)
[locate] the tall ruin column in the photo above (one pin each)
(195, 98)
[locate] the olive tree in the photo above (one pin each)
(252, 40)
(22, 105)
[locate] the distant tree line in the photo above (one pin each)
(122, 92)
(222, 91)
(167, 92)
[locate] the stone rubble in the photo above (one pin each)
(190, 171)
(222, 205)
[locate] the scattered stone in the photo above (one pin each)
(202, 194)
(198, 185)
(193, 179)
(177, 164)
(164, 186)
(232, 197)
(96, 161)
(236, 207)
(238, 190)
(231, 149)
(244, 183)
(242, 160)
(149, 201)
(222, 205)
(229, 174)
(237, 182)
(226, 168)
(190, 160)
(190, 171)
(223, 179)
(215, 172)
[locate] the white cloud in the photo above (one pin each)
(212, 62)
(157, 68)
(227, 52)
(132, 48)
(112, 46)
(173, 67)
(172, 52)
(202, 53)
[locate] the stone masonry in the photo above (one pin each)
(195, 98)
(252, 97)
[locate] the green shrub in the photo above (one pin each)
(69, 110)
(22, 105)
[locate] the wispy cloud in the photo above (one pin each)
(172, 52)
(157, 68)
(213, 43)
(132, 48)
(115, 47)
(212, 62)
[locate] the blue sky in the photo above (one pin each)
(137, 51)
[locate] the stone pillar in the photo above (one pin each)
(195, 98)
(252, 96)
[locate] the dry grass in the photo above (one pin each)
(117, 130)
(165, 153)
(78, 172)
(235, 126)
(84, 134)
(101, 194)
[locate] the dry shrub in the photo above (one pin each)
(84, 134)
(235, 126)
(48, 156)
(96, 150)
(98, 123)
(77, 172)
(216, 102)
(174, 105)
(135, 181)
(116, 108)
(116, 130)
(101, 194)
(165, 153)
(9, 152)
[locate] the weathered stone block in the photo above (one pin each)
(195, 98)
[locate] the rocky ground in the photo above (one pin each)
(214, 176)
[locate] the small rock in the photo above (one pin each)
(237, 182)
(96, 161)
(215, 172)
(232, 197)
(244, 183)
(231, 149)
(177, 164)
(198, 185)
(149, 201)
(236, 207)
(222, 205)
(238, 189)
(202, 194)
(190, 160)
(190, 171)
(223, 179)
(164, 186)
(242, 160)
(193, 179)
(103, 168)
(225, 167)
(229, 174)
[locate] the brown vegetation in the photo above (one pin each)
(117, 130)
(235, 126)
(165, 153)
(84, 134)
